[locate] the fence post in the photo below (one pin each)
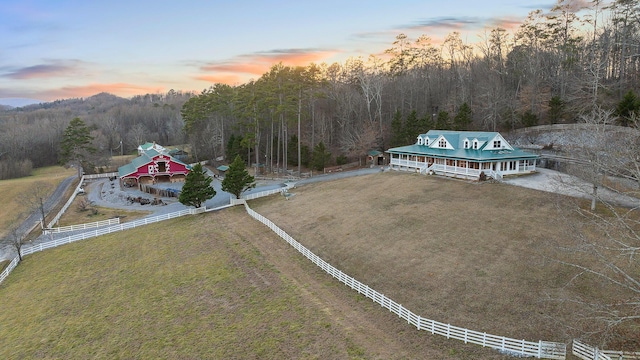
(539, 349)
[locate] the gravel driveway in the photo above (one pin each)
(107, 193)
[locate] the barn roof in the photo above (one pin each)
(144, 159)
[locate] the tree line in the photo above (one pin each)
(553, 67)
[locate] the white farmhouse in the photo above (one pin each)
(462, 154)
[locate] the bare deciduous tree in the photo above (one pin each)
(606, 239)
(35, 198)
(15, 239)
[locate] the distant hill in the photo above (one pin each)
(97, 103)
(17, 102)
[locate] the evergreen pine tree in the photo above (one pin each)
(397, 130)
(411, 128)
(237, 178)
(556, 109)
(463, 118)
(76, 145)
(197, 187)
(321, 157)
(442, 121)
(629, 105)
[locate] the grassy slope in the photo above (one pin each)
(10, 190)
(233, 287)
(228, 292)
(476, 255)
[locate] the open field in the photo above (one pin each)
(221, 285)
(476, 255)
(10, 189)
(212, 290)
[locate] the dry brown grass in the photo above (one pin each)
(475, 255)
(213, 290)
(10, 189)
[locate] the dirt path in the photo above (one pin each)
(381, 333)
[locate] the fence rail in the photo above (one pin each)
(100, 176)
(85, 226)
(107, 230)
(8, 269)
(586, 352)
(91, 234)
(540, 349)
(67, 204)
(261, 194)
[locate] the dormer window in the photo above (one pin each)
(426, 141)
(442, 143)
(475, 145)
(466, 144)
(497, 144)
(419, 141)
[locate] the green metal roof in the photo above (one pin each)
(374, 152)
(456, 139)
(143, 159)
(146, 146)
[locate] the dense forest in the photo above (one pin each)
(552, 68)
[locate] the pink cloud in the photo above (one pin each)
(255, 65)
(55, 69)
(228, 79)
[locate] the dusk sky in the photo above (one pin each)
(55, 49)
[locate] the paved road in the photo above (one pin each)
(56, 197)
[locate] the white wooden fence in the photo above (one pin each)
(67, 204)
(267, 192)
(8, 269)
(586, 352)
(85, 226)
(540, 349)
(90, 234)
(99, 176)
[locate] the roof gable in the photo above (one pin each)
(442, 142)
(146, 158)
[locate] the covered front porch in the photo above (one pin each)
(459, 168)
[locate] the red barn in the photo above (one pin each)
(152, 167)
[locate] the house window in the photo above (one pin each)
(162, 166)
(442, 143)
(497, 144)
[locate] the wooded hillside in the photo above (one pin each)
(550, 69)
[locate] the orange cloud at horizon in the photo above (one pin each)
(228, 79)
(237, 69)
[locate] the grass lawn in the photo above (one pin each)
(13, 210)
(212, 290)
(476, 255)
(220, 285)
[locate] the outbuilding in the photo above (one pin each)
(152, 167)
